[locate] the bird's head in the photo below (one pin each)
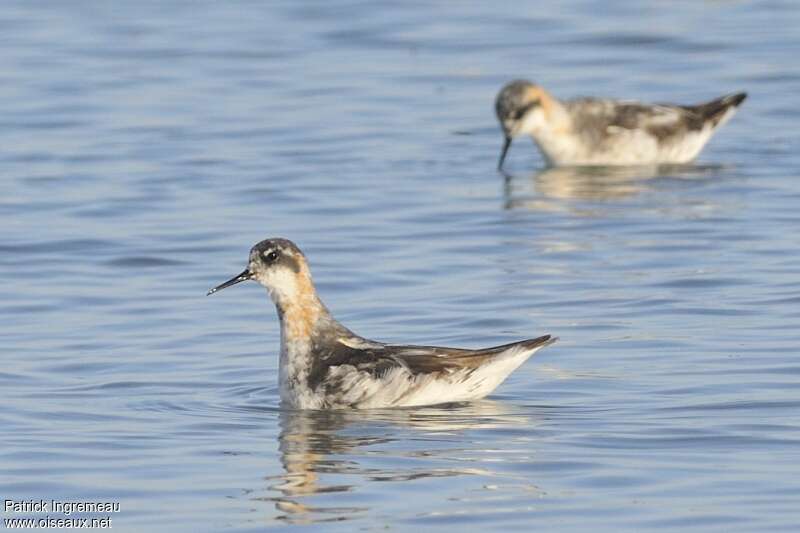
(519, 109)
(278, 265)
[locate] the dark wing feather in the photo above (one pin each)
(595, 119)
(372, 360)
(714, 110)
(376, 359)
(427, 359)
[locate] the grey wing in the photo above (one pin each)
(348, 373)
(375, 360)
(435, 359)
(357, 354)
(600, 119)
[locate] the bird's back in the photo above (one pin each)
(625, 132)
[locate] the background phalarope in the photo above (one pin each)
(593, 131)
(325, 365)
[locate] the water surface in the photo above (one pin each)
(146, 146)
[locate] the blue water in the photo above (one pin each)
(144, 147)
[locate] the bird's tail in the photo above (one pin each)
(721, 109)
(539, 342)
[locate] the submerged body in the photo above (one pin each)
(324, 365)
(593, 131)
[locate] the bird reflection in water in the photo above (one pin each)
(596, 183)
(319, 446)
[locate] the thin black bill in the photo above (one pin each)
(506, 146)
(244, 276)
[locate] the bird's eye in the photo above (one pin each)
(271, 256)
(519, 113)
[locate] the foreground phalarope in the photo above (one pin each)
(593, 131)
(324, 365)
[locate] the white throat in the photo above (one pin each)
(300, 312)
(550, 126)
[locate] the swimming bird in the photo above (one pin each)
(594, 131)
(324, 365)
